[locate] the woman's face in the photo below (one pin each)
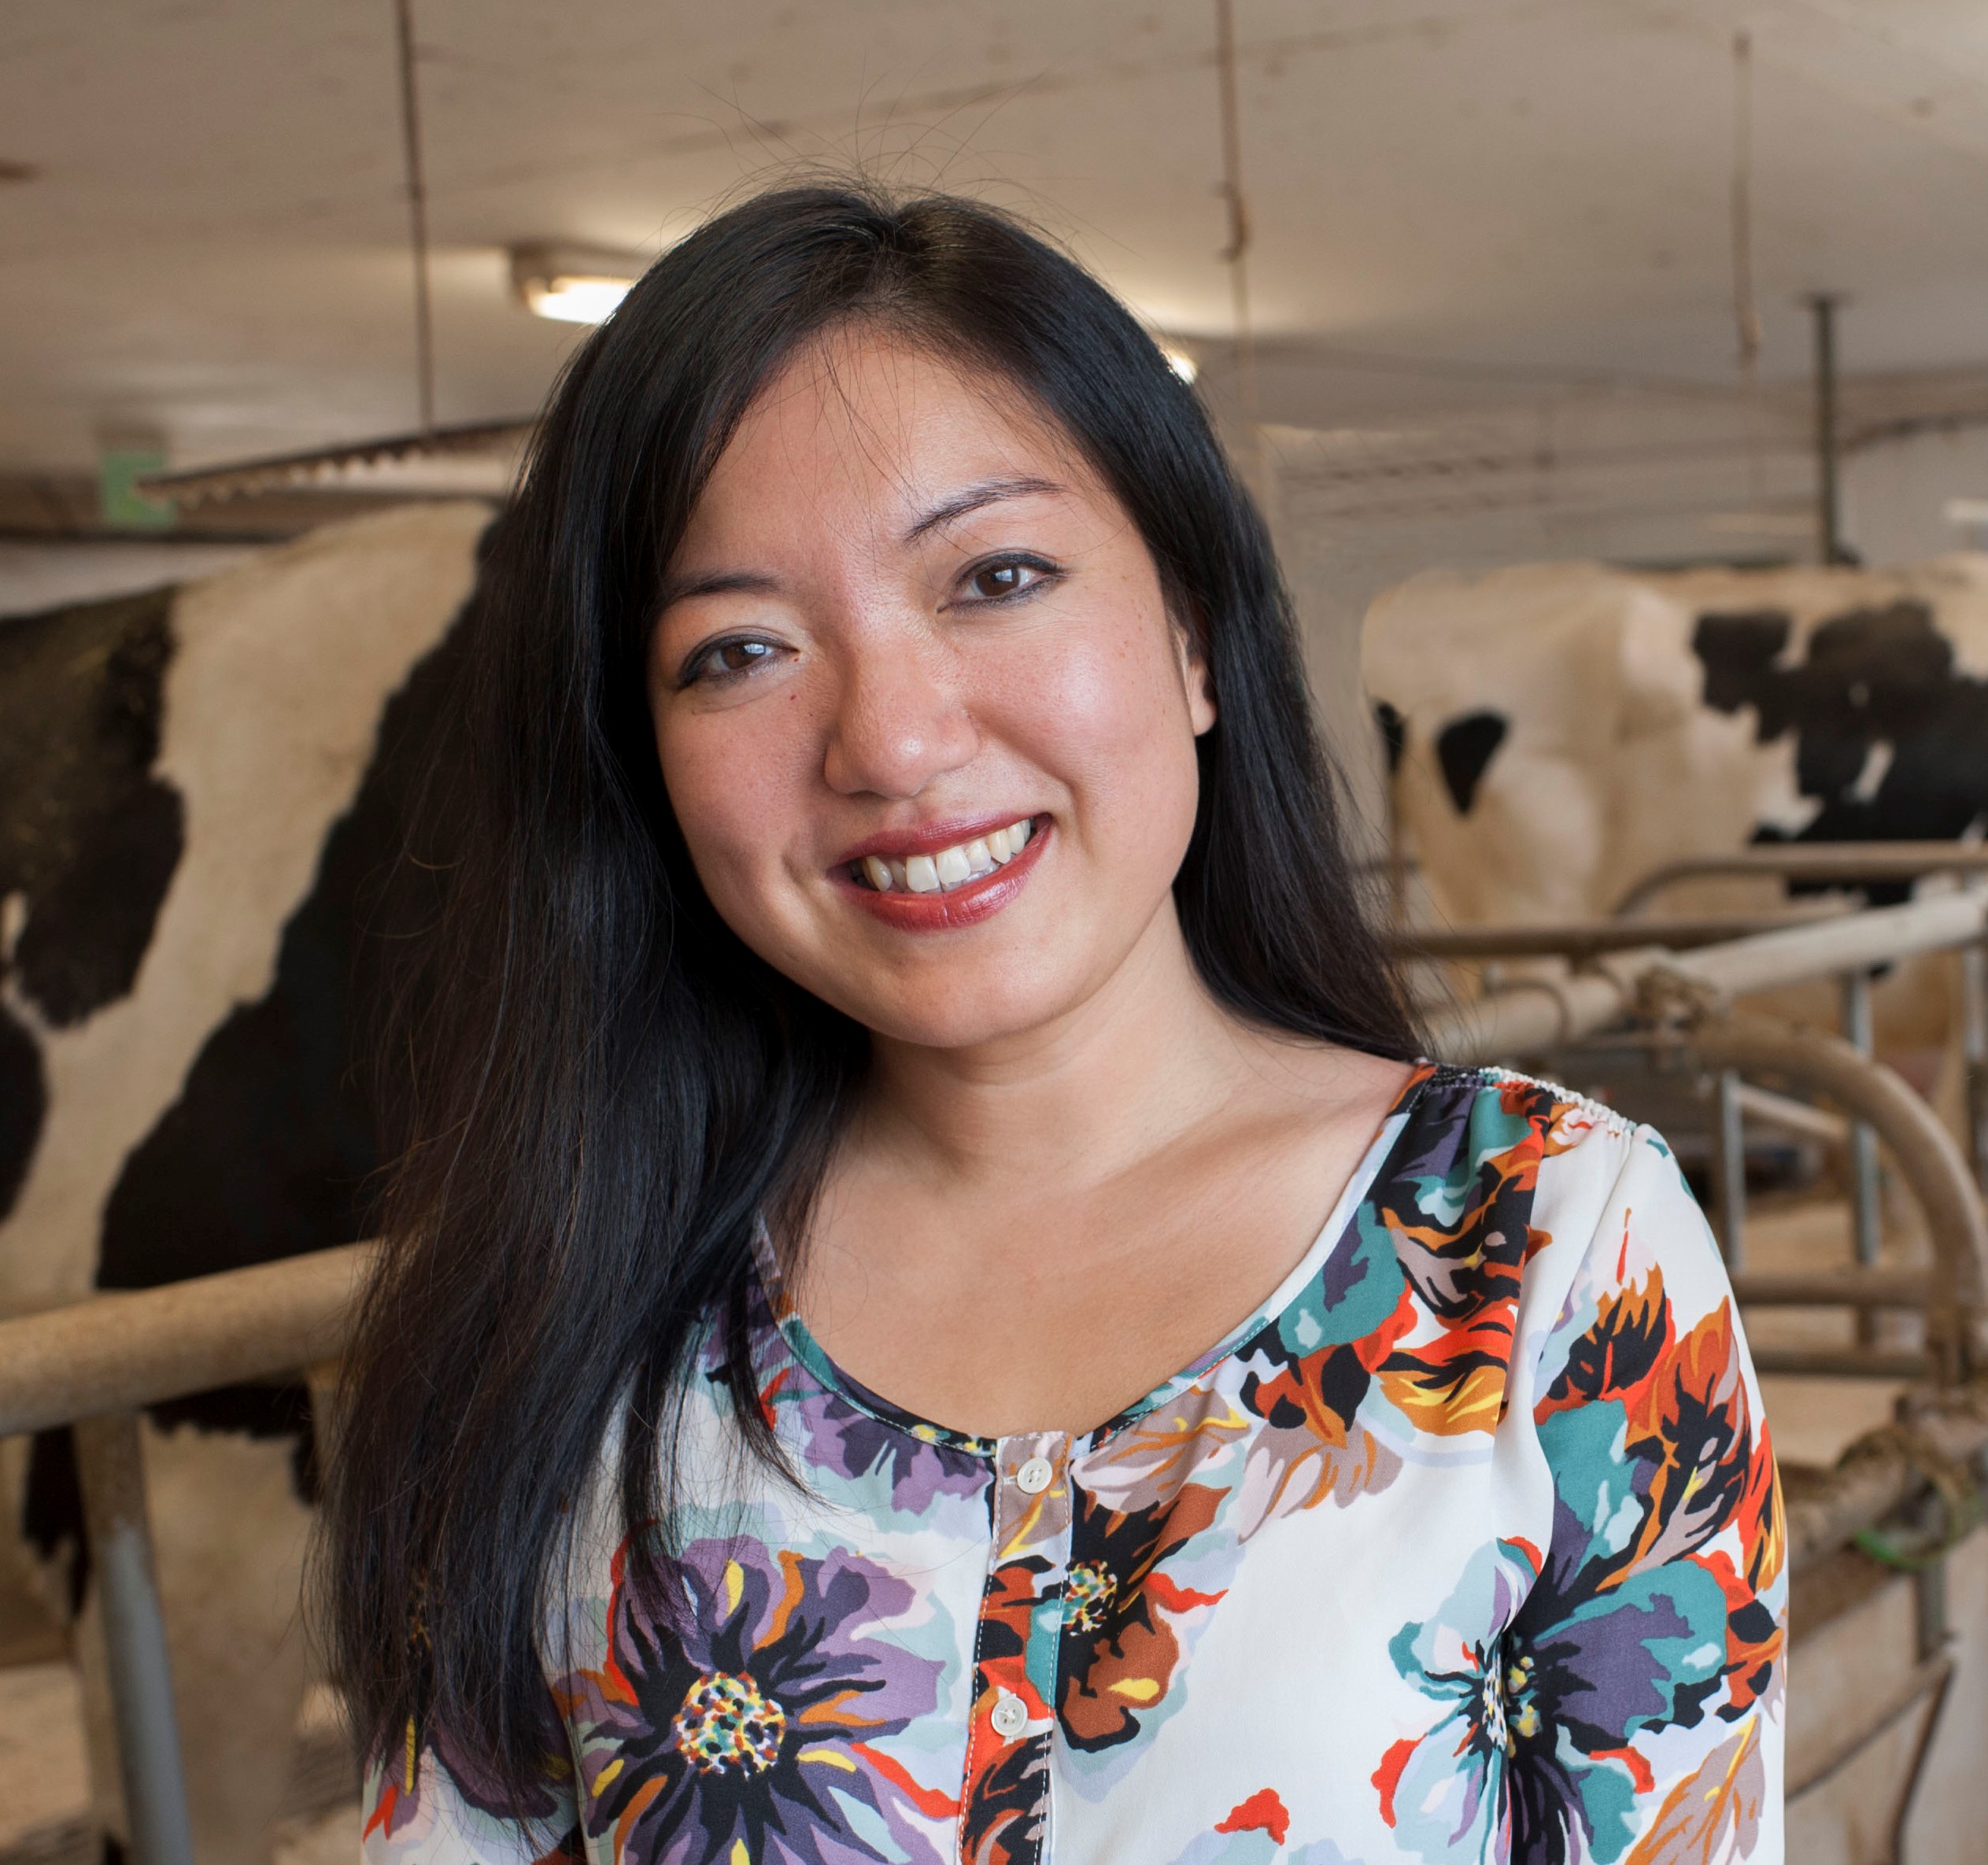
(926, 723)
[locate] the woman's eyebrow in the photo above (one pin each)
(718, 582)
(988, 492)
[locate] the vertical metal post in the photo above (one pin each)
(1829, 534)
(1866, 1224)
(108, 1460)
(1929, 1609)
(1974, 1050)
(1729, 1168)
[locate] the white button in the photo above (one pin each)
(1011, 1716)
(1035, 1476)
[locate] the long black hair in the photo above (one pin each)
(599, 1088)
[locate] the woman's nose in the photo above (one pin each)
(899, 723)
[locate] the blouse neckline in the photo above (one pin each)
(1336, 1233)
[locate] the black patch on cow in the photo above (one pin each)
(280, 1409)
(1393, 733)
(51, 1509)
(1738, 652)
(1871, 677)
(270, 1149)
(1464, 749)
(88, 835)
(24, 1105)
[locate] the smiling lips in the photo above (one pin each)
(947, 869)
(929, 888)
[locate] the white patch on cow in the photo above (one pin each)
(273, 698)
(1538, 645)
(1877, 761)
(1777, 799)
(229, 1540)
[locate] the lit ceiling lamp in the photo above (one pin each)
(574, 284)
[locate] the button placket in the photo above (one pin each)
(1004, 1800)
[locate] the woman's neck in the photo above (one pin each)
(1075, 1102)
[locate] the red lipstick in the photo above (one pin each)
(950, 909)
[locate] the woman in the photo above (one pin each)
(931, 1312)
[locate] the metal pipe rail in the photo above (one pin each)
(121, 1350)
(1535, 1013)
(1845, 864)
(1583, 938)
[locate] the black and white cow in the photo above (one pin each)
(1557, 730)
(201, 794)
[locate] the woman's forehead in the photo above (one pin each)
(872, 421)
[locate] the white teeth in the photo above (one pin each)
(951, 867)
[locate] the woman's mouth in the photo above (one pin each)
(945, 870)
(949, 887)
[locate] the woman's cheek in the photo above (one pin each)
(732, 787)
(1105, 712)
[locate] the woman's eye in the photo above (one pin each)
(991, 582)
(727, 660)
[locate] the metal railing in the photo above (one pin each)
(1831, 864)
(94, 1365)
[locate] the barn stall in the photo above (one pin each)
(1572, 353)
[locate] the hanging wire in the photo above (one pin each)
(1745, 312)
(417, 217)
(1236, 252)
(1746, 317)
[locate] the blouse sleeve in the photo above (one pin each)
(1649, 1650)
(419, 1811)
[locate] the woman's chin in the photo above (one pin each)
(966, 1013)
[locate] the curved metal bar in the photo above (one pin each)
(1926, 1155)
(1849, 864)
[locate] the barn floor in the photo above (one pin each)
(45, 1784)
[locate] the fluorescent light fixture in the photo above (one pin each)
(1969, 512)
(574, 285)
(1179, 361)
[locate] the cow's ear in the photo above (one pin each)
(1393, 733)
(1464, 749)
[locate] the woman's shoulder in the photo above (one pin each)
(1487, 1148)
(1484, 1106)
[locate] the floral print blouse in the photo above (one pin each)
(1467, 1546)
